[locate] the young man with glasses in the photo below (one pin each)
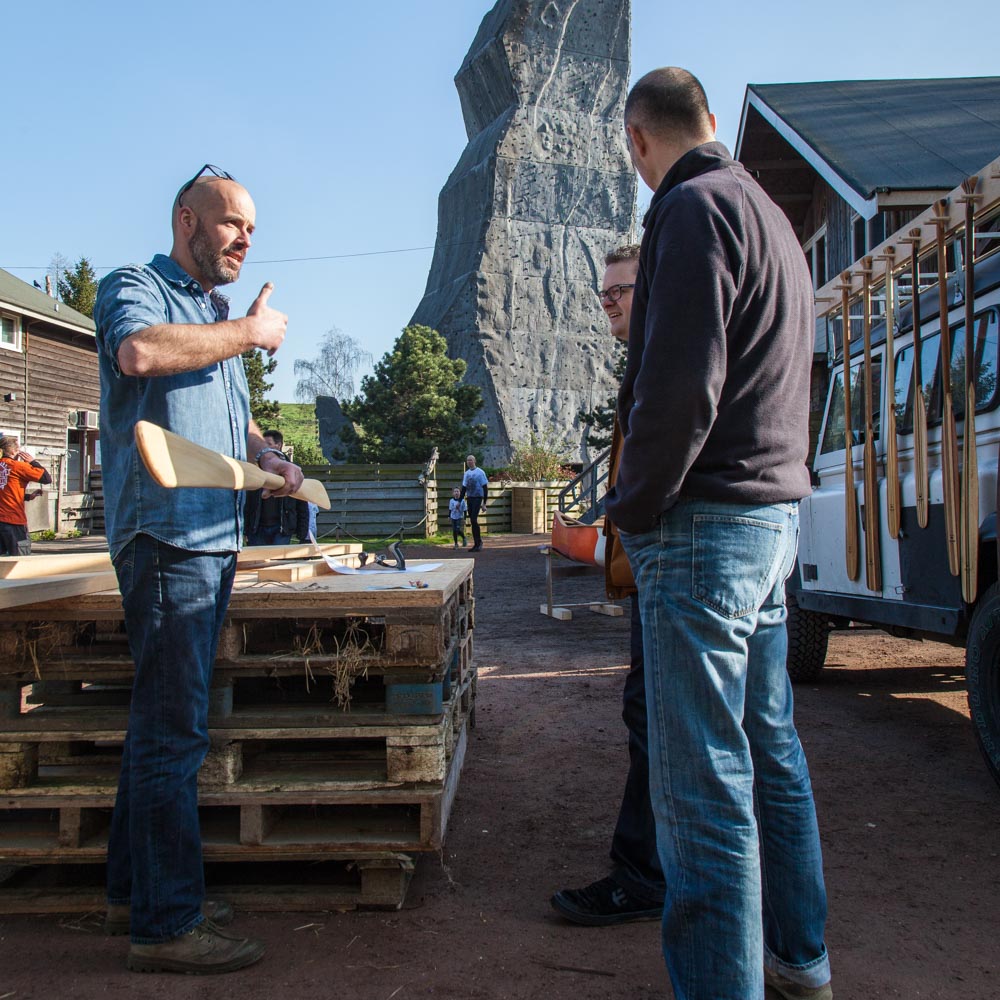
(714, 409)
(634, 889)
(170, 354)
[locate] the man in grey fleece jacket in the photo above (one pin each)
(714, 411)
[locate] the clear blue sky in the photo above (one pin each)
(344, 123)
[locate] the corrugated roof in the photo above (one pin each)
(19, 296)
(896, 134)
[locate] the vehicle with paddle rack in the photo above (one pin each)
(923, 429)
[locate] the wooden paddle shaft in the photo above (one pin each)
(949, 431)
(919, 406)
(892, 492)
(850, 498)
(873, 567)
(969, 522)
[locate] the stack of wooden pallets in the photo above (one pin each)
(339, 717)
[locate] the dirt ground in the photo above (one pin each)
(908, 813)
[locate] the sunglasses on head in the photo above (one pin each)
(208, 168)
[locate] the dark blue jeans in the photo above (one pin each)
(268, 534)
(175, 602)
(633, 847)
(475, 505)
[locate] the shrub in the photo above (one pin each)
(540, 457)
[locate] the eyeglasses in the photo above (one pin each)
(210, 168)
(614, 293)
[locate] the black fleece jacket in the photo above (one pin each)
(715, 399)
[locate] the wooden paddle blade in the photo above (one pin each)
(920, 458)
(175, 461)
(850, 520)
(949, 472)
(315, 492)
(873, 566)
(970, 501)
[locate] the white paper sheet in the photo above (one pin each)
(411, 567)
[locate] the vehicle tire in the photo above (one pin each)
(808, 635)
(982, 676)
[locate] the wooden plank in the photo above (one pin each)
(375, 881)
(18, 593)
(293, 572)
(36, 566)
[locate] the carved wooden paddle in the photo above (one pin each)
(919, 406)
(949, 431)
(969, 522)
(850, 497)
(892, 491)
(873, 562)
(174, 461)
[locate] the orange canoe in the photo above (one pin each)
(583, 543)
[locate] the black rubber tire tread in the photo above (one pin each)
(982, 676)
(808, 636)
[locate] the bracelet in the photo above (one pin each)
(265, 451)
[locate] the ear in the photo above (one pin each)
(712, 121)
(637, 140)
(186, 219)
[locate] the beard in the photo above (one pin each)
(212, 264)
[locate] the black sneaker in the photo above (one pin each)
(602, 903)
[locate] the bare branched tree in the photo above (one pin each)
(331, 372)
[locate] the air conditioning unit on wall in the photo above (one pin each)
(87, 420)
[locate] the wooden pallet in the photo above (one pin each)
(368, 881)
(268, 628)
(244, 820)
(308, 692)
(55, 747)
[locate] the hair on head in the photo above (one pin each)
(668, 100)
(622, 254)
(276, 436)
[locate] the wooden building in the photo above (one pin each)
(851, 162)
(50, 396)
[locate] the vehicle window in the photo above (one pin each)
(833, 434)
(928, 380)
(987, 339)
(985, 330)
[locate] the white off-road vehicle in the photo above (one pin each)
(900, 531)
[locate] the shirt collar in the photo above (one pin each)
(699, 160)
(171, 271)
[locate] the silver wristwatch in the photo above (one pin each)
(264, 451)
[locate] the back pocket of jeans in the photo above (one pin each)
(733, 564)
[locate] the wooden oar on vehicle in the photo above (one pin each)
(850, 497)
(873, 562)
(892, 491)
(175, 461)
(949, 431)
(969, 522)
(919, 413)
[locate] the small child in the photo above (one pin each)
(457, 509)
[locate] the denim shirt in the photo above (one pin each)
(210, 406)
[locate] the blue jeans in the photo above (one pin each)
(175, 602)
(735, 821)
(268, 534)
(633, 847)
(475, 505)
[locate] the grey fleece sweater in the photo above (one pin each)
(715, 399)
